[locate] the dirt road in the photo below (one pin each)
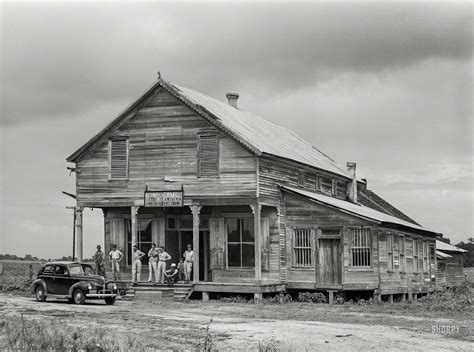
(245, 326)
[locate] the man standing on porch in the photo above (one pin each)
(162, 258)
(153, 262)
(137, 264)
(99, 261)
(188, 263)
(115, 257)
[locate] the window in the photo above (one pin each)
(144, 239)
(401, 249)
(415, 256)
(334, 187)
(302, 248)
(60, 270)
(390, 252)
(240, 243)
(208, 154)
(326, 185)
(118, 158)
(360, 247)
(48, 269)
(425, 257)
(432, 256)
(420, 256)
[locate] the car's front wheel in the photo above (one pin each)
(78, 296)
(40, 294)
(109, 300)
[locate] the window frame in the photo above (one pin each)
(416, 263)
(368, 234)
(208, 133)
(390, 252)
(311, 248)
(127, 157)
(241, 267)
(401, 254)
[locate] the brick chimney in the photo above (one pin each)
(232, 99)
(352, 186)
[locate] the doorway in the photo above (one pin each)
(329, 268)
(185, 238)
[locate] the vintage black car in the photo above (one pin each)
(68, 280)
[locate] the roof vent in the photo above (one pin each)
(232, 99)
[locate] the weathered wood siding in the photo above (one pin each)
(274, 172)
(301, 213)
(163, 155)
(395, 280)
(454, 270)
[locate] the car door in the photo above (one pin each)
(61, 280)
(47, 276)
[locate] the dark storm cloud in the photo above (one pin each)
(63, 59)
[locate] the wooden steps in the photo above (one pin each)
(148, 292)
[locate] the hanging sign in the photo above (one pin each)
(164, 198)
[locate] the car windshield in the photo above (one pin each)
(76, 270)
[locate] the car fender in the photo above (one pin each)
(40, 282)
(83, 285)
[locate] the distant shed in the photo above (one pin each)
(449, 271)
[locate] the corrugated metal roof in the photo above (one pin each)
(442, 255)
(356, 209)
(448, 247)
(263, 135)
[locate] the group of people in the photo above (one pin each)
(157, 258)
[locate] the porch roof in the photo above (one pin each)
(358, 210)
(442, 246)
(442, 255)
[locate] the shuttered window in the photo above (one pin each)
(302, 248)
(118, 158)
(360, 247)
(389, 252)
(401, 249)
(208, 155)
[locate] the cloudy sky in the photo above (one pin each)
(386, 85)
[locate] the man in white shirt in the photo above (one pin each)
(137, 264)
(115, 257)
(163, 257)
(153, 262)
(188, 263)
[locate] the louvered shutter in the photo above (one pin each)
(208, 155)
(118, 158)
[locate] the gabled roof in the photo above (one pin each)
(358, 210)
(256, 133)
(445, 247)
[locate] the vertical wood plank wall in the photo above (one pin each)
(163, 155)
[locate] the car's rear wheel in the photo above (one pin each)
(78, 296)
(40, 294)
(109, 300)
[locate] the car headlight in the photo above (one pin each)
(89, 287)
(115, 286)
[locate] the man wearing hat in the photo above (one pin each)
(163, 257)
(99, 261)
(137, 264)
(115, 257)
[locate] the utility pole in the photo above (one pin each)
(73, 233)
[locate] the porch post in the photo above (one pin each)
(195, 209)
(133, 215)
(79, 235)
(256, 209)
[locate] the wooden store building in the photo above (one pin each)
(264, 209)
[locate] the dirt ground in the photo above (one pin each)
(294, 326)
